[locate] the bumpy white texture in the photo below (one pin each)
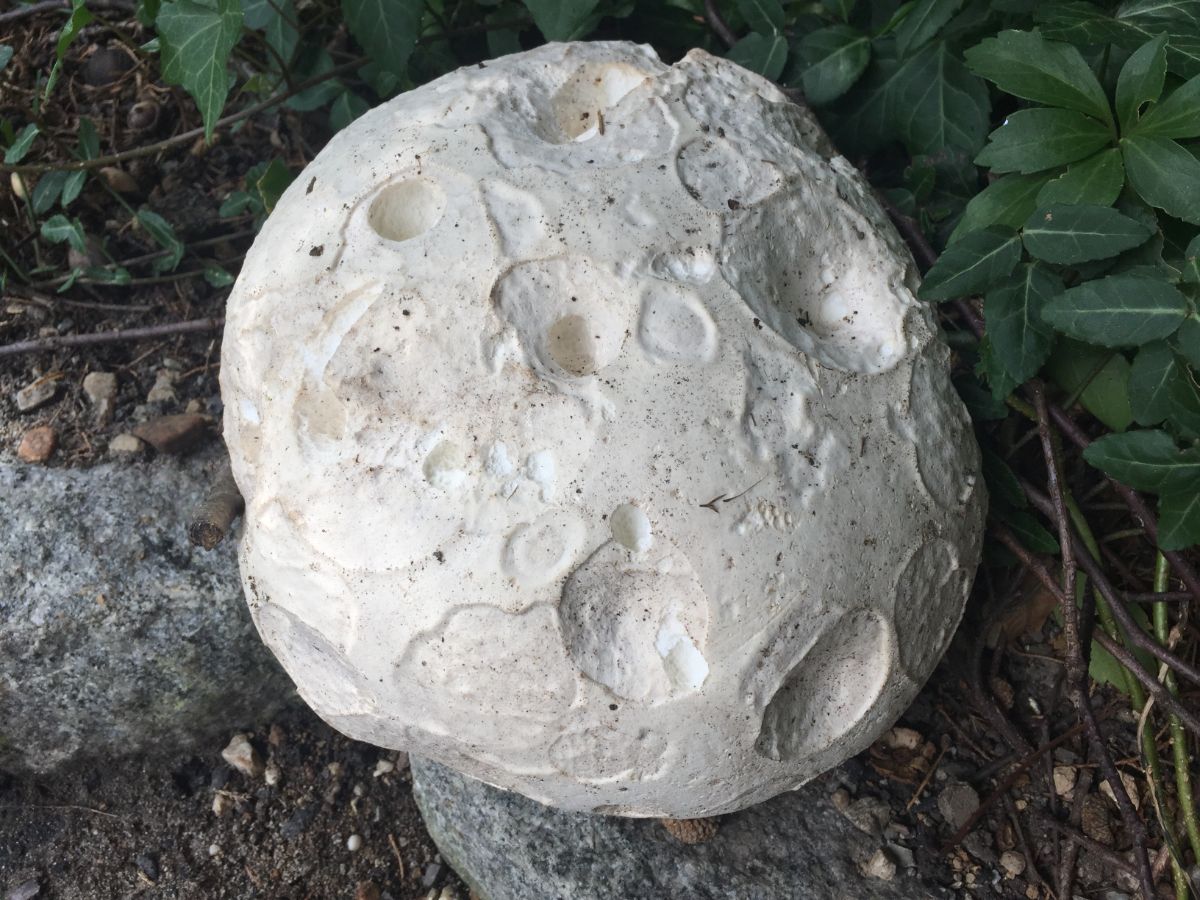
(592, 439)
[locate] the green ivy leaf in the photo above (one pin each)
(6, 55)
(59, 229)
(1006, 201)
(558, 20)
(1164, 174)
(20, 146)
(73, 186)
(1028, 530)
(196, 42)
(1189, 339)
(763, 16)
(89, 141)
(1077, 233)
(993, 371)
(1145, 460)
(1179, 518)
(764, 54)
(973, 264)
(1177, 115)
(164, 235)
(1191, 271)
(1002, 482)
(1099, 377)
(1141, 80)
(836, 58)
(1152, 382)
(277, 20)
(1118, 311)
(840, 8)
(345, 109)
(80, 16)
(272, 183)
(1020, 338)
(938, 104)
(216, 276)
(1031, 140)
(923, 22)
(388, 29)
(1027, 65)
(1096, 180)
(47, 191)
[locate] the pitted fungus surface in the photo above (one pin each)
(592, 439)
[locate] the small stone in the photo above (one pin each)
(126, 445)
(957, 802)
(240, 754)
(147, 864)
(36, 394)
(869, 815)
(448, 893)
(367, 890)
(119, 180)
(173, 434)
(384, 767)
(37, 444)
(1094, 820)
(880, 866)
(106, 66)
(101, 390)
(163, 390)
(1131, 788)
(840, 799)
(1064, 780)
(1012, 863)
(691, 831)
(299, 820)
(194, 406)
(26, 890)
(20, 187)
(221, 804)
(276, 736)
(354, 843)
(902, 739)
(214, 850)
(272, 774)
(432, 872)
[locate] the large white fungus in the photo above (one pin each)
(592, 440)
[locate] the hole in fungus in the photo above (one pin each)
(581, 103)
(404, 210)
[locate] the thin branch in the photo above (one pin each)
(186, 137)
(61, 5)
(126, 335)
(1160, 694)
(718, 24)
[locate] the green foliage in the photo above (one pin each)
(196, 41)
(1075, 233)
(388, 29)
(80, 16)
(558, 20)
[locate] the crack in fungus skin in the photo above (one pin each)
(592, 440)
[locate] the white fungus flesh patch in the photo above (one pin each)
(592, 440)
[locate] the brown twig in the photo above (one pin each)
(1077, 652)
(1111, 857)
(218, 512)
(111, 337)
(60, 5)
(718, 24)
(185, 137)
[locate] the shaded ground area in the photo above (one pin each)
(193, 827)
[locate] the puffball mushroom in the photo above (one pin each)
(592, 440)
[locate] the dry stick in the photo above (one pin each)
(1076, 660)
(1112, 858)
(718, 24)
(180, 139)
(111, 337)
(1133, 632)
(1127, 659)
(64, 5)
(220, 508)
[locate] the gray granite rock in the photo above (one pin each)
(794, 847)
(118, 636)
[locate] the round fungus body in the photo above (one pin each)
(592, 440)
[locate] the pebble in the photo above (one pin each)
(383, 767)
(1064, 780)
(214, 850)
(367, 890)
(148, 865)
(840, 799)
(869, 815)
(126, 445)
(354, 843)
(1131, 788)
(173, 434)
(26, 890)
(240, 754)
(880, 866)
(37, 444)
(900, 738)
(272, 774)
(1012, 862)
(956, 803)
(299, 820)
(163, 390)
(432, 872)
(221, 804)
(36, 394)
(101, 390)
